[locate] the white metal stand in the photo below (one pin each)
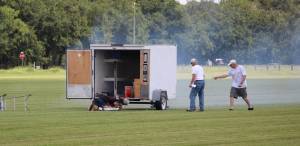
(3, 102)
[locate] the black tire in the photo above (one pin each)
(162, 104)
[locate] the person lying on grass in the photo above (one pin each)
(102, 102)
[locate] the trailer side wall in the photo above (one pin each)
(163, 64)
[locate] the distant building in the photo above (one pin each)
(219, 61)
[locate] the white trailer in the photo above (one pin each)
(144, 74)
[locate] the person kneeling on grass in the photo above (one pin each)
(102, 102)
(239, 83)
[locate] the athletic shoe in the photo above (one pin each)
(250, 109)
(231, 109)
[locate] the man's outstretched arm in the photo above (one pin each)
(221, 76)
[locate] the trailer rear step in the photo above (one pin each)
(140, 102)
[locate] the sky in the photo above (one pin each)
(183, 2)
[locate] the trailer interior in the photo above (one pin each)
(121, 73)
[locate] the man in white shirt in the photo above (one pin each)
(197, 86)
(239, 83)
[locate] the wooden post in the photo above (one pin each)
(292, 67)
(267, 66)
(279, 67)
(255, 67)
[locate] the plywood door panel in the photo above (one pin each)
(79, 67)
(79, 73)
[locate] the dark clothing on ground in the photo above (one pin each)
(103, 100)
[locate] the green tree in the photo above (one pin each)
(16, 36)
(57, 23)
(113, 22)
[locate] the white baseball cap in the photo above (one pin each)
(193, 60)
(232, 61)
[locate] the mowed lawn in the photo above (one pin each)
(53, 120)
(274, 125)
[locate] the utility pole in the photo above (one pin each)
(133, 22)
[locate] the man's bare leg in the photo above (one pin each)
(250, 107)
(231, 103)
(248, 102)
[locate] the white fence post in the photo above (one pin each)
(26, 102)
(13, 101)
(1, 103)
(4, 102)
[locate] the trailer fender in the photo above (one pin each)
(158, 93)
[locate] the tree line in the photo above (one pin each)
(252, 31)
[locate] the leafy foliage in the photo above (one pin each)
(252, 31)
(17, 36)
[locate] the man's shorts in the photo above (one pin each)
(238, 92)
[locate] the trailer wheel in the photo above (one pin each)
(162, 104)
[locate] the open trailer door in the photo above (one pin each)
(79, 74)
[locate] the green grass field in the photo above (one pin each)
(53, 120)
(271, 125)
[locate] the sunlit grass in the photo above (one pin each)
(31, 73)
